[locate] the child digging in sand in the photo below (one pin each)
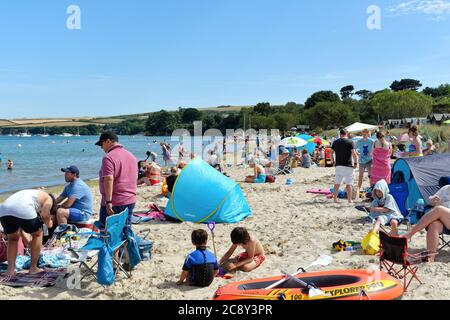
(200, 266)
(250, 259)
(384, 204)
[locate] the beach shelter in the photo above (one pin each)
(421, 174)
(203, 194)
(358, 127)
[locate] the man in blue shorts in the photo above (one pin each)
(75, 203)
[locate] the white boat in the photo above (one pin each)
(66, 135)
(25, 134)
(44, 135)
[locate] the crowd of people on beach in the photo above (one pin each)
(26, 215)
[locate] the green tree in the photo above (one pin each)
(321, 96)
(442, 91)
(161, 123)
(263, 108)
(364, 94)
(442, 105)
(190, 115)
(285, 121)
(263, 122)
(347, 92)
(406, 84)
(327, 115)
(401, 104)
(230, 122)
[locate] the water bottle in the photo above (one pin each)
(418, 211)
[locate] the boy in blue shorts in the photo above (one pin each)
(200, 267)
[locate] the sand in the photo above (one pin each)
(294, 227)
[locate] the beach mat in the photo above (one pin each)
(48, 278)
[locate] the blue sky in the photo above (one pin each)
(145, 55)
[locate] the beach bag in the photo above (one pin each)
(270, 179)
(444, 181)
(145, 248)
(371, 243)
(133, 249)
(105, 271)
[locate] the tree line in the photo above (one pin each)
(323, 110)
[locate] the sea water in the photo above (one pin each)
(38, 160)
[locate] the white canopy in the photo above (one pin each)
(358, 127)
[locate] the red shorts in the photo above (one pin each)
(244, 255)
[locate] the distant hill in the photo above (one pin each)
(100, 121)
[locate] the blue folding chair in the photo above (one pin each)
(114, 235)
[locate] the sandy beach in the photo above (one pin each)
(294, 227)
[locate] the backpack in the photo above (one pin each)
(270, 179)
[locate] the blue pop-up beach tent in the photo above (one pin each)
(202, 194)
(421, 175)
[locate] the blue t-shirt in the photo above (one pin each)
(200, 257)
(81, 192)
(364, 148)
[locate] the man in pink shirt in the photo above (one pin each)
(118, 176)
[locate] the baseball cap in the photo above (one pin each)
(105, 136)
(71, 169)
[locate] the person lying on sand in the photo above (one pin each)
(250, 259)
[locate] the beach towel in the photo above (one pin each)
(381, 166)
(48, 278)
(45, 261)
(155, 213)
(319, 191)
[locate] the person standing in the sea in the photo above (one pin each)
(166, 152)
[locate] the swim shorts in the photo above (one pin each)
(258, 259)
(260, 179)
(76, 215)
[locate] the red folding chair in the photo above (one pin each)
(396, 260)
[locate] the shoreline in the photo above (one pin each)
(55, 189)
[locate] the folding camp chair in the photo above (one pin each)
(445, 243)
(394, 257)
(114, 235)
(284, 168)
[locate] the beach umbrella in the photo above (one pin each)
(319, 141)
(294, 142)
(358, 127)
(310, 146)
(305, 137)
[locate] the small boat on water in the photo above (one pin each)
(66, 135)
(332, 285)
